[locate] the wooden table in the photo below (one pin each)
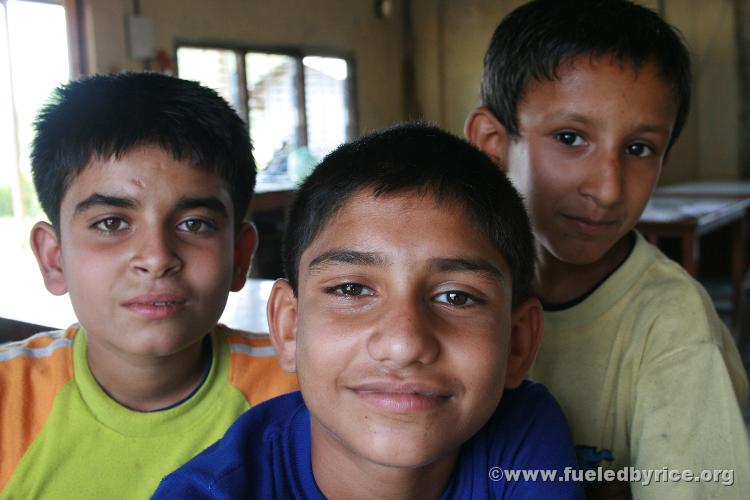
(714, 189)
(688, 215)
(245, 310)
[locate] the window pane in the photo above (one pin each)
(272, 105)
(38, 64)
(326, 103)
(33, 61)
(8, 156)
(214, 68)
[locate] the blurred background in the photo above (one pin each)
(308, 75)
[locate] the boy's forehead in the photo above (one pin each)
(366, 218)
(578, 67)
(144, 170)
(369, 199)
(587, 86)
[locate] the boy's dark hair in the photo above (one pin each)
(533, 41)
(102, 116)
(425, 160)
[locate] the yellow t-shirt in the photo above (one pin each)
(649, 377)
(61, 436)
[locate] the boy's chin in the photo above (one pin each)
(582, 253)
(415, 456)
(413, 449)
(147, 344)
(162, 347)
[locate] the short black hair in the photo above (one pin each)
(422, 159)
(533, 41)
(104, 116)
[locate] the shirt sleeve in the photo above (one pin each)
(687, 421)
(181, 485)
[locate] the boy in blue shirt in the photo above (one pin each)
(407, 316)
(582, 102)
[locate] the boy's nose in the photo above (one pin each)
(404, 337)
(155, 255)
(604, 180)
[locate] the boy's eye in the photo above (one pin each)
(111, 224)
(350, 290)
(456, 298)
(195, 226)
(569, 138)
(640, 149)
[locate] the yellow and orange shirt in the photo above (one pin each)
(62, 436)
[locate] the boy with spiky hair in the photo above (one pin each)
(146, 180)
(582, 101)
(407, 316)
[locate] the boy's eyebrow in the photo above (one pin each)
(346, 256)
(585, 120)
(571, 116)
(98, 199)
(209, 202)
(185, 203)
(481, 266)
(442, 264)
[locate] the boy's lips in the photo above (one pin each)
(155, 306)
(591, 227)
(402, 397)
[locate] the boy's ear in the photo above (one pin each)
(525, 336)
(245, 243)
(282, 322)
(485, 132)
(46, 247)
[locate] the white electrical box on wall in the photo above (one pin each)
(140, 37)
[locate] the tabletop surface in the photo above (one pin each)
(671, 208)
(708, 188)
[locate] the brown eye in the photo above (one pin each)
(458, 299)
(639, 149)
(111, 224)
(350, 290)
(569, 138)
(195, 226)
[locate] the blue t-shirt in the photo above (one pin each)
(266, 454)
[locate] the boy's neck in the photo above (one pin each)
(340, 474)
(147, 384)
(558, 282)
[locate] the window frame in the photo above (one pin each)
(74, 19)
(297, 53)
(77, 67)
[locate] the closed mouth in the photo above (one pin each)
(592, 226)
(400, 397)
(155, 306)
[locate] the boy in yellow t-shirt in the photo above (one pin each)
(145, 179)
(582, 101)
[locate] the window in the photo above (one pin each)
(34, 59)
(32, 66)
(298, 107)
